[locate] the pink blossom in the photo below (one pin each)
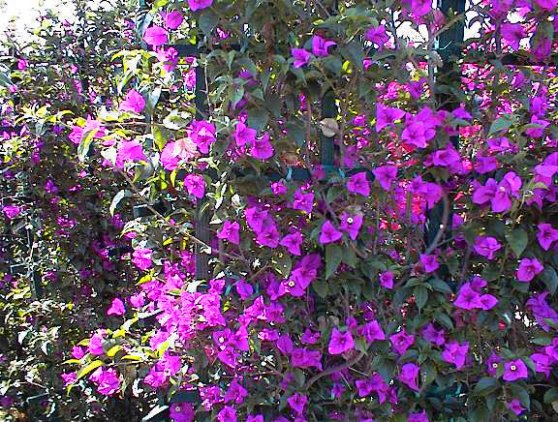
(372, 331)
(244, 289)
(156, 36)
(386, 279)
(528, 269)
(386, 116)
(173, 19)
(513, 33)
(262, 149)
(228, 413)
(142, 258)
(303, 201)
(429, 263)
(401, 341)
(116, 307)
(359, 184)
(107, 381)
(301, 57)
(129, 151)
(418, 417)
(244, 135)
(340, 343)
(199, 4)
(487, 246)
(203, 135)
(175, 152)
(455, 353)
(320, 46)
(351, 224)
(409, 375)
(515, 370)
(195, 185)
(546, 235)
(298, 402)
(515, 406)
(377, 35)
(134, 102)
(11, 211)
(182, 412)
(329, 233)
(547, 5)
(95, 346)
(292, 242)
(230, 231)
(385, 175)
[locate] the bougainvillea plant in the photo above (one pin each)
(327, 299)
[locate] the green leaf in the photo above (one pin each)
(485, 386)
(440, 286)
(421, 296)
(321, 287)
(518, 240)
(333, 256)
(354, 53)
(500, 125)
(551, 395)
(124, 193)
(89, 368)
(258, 118)
(207, 21)
(550, 279)
(283, 265)
(85, 144)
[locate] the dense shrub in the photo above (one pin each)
(412, 278)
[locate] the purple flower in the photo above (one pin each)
(195, 185)
(298, 402)
(228, 413)
(203, 135)
(173, 19)
(515, 406)
(134, 102)
(255, 418)
(429, 263)
(386, 279)
(320, 46)
(385, 175)
(401, 341)
(129, 151)
(230, 231)
(513, 33)
(156, 36)
(292, 242)
(528, 269)
(372, 331)
(182, 412)
(107, 381)
(301, 57)
(95, 346)
(340, 343)
(262, 148)
(303, 201)
(329, 233)
(142, 258)
(409, 375)
(305, 358)
(116, 307)
(244, 135)
(199, 5)
(492, 364)
(434, 336)
(486, 246)
(515, 370)
(377, 35)
(244, 289)
(359, 184)
(418, 417)
(386, 116)
(455, 353)
(351, 224)
(546, 235)
(11, 211)
(169, 58)
(547, 5)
